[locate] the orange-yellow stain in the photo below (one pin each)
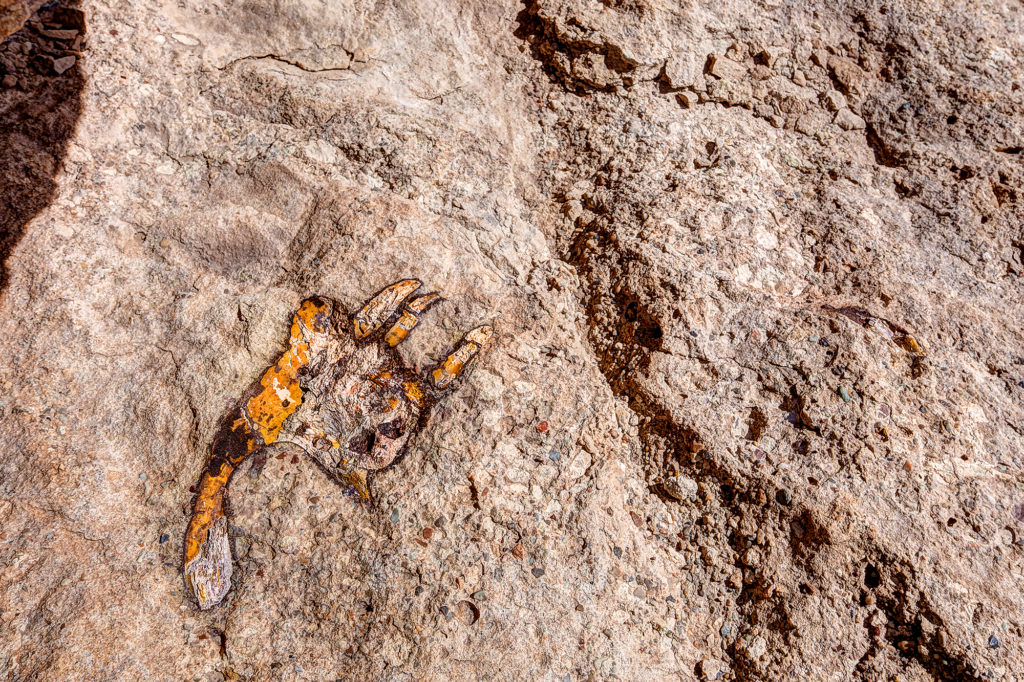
(453, 364)
(910, 343)
(280, 397)
(209, 508)
(281, 394)
(357, 479)
(396, 335)
(401, 328)
(414, 392)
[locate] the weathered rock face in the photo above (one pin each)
(14, 14)
(752, 409)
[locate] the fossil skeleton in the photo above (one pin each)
(340, 392)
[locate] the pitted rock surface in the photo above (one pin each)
(754, 405)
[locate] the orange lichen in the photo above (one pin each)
(280, 397)
(281, 394)
(401, 328)
(453, 364)
(414, 392)
(209, 507)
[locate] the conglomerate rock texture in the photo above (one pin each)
(14, 14)
(754, 408)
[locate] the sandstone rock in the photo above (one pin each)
(834, 100)
(723, 67)
(13, 15)
(679, 295)
(847, 120)
(682, 70)
(850, 76)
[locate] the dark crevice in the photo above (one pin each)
(282, 60)
(913, 629)
(40, 103)
(871, 576)
(623, 347)
(578, 65)
(884, 154)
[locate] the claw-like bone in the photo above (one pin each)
(410, 316)
(452, 367)
(399, 330)
(382, 306)
(420, 304)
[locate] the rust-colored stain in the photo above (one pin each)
(369, 403)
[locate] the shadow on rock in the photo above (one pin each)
(40, 101)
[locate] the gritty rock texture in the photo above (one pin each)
(14, 14)
(752, 410)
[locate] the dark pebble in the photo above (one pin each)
(554, 455)
(164, 538)
(538, 572)
(784, 497)
(617, 551)
(993, 642)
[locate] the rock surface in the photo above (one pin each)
(14, 14)
(754, 405)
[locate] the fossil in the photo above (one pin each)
(341, 393)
